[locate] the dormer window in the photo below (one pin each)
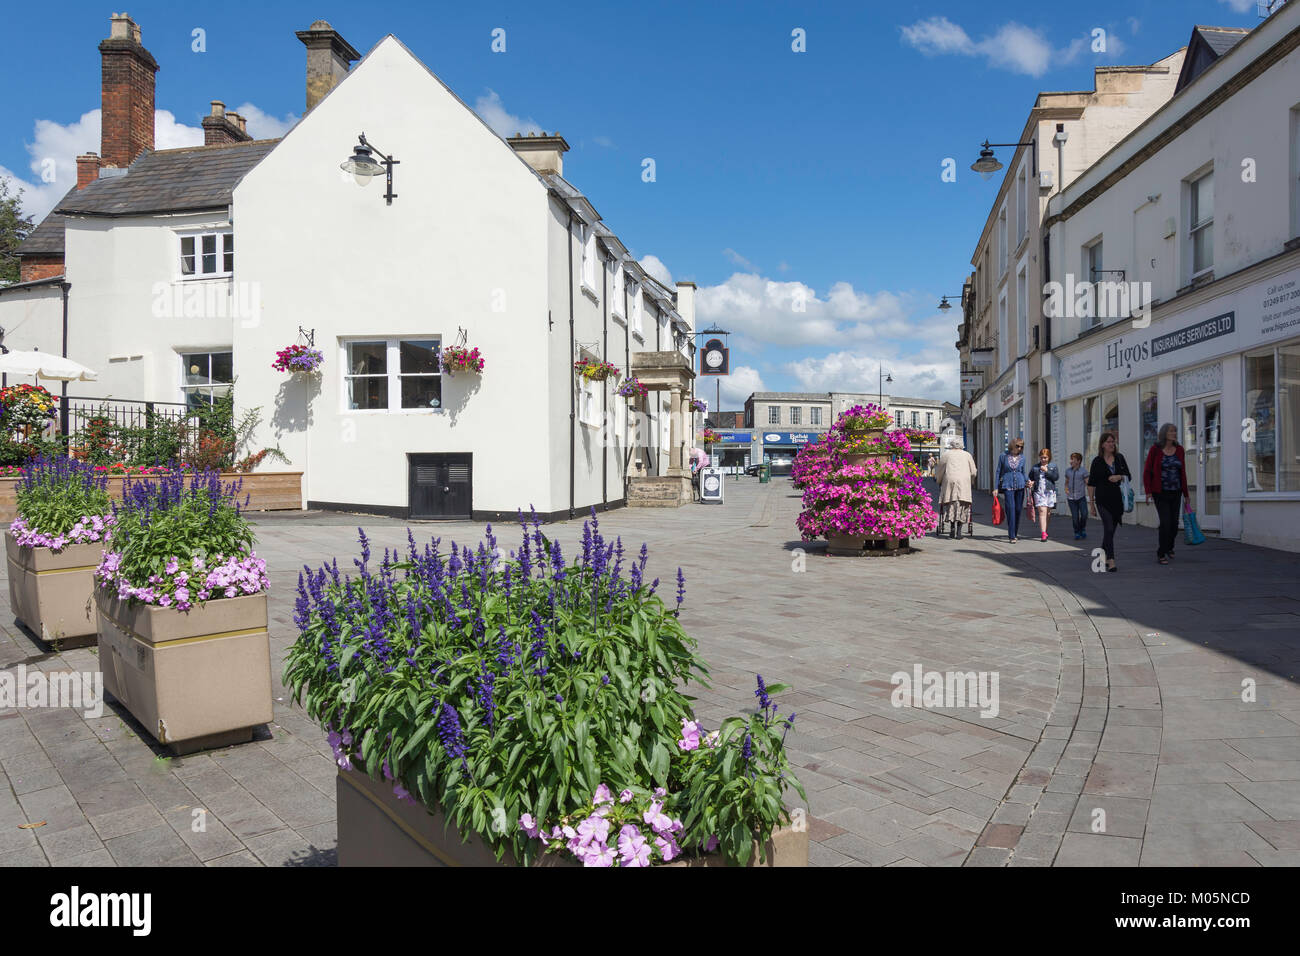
(207, 255)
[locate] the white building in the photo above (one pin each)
(1200, 206)
(188, 269)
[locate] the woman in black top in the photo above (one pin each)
(1108, 470)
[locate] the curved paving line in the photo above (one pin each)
(1029, 826)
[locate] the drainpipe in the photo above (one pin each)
(63, 411)
(604, 392)
(627, 369)
(573, 384)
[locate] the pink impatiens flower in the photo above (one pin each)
(690, 735)
(632, 847)
(625, 796)
(529, 825)
(603, 795)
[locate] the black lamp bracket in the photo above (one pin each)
(389, 163)
(308, 336)
(1033, 153)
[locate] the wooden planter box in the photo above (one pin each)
(377, 829)
(267, 491)
(195, 679)
(865, 545)
(51, 592)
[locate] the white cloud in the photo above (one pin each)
(737, 259)
(736, 387)
(1013, 47)
(494, 113)
(262, 125)
(860, 372)
(604, 141)
(56, 146)
(1240, 6)
(657, 270)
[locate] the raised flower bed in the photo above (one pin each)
(864, 497)
(529, 711)
(53, 547)
(182, 620)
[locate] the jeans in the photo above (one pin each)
(1108, 526)
(1167, 507)
(1079, 514)
(1013, 503)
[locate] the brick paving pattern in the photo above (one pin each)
(1119, 694)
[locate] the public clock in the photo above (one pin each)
(714, 360)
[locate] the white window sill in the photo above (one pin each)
(616, 315)
(1270, 496)
(393, 411)
(206, 275)
(619, 320)
(638, 335)
(590, 293)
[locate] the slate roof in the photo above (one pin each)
(47, 238)
(1204, 49)
(166, 180)
(171, 180)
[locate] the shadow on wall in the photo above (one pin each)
(457, 390)
(294, 402)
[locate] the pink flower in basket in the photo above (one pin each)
(457, 358)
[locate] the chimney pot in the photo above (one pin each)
(87, 169)
(218, 108)
(544, 153)
(329, 57)
(127, 94)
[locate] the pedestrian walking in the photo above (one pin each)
(1076, 495)
(1164, 477)
(1009, 478)
(953, 471)
(1042, 482)
(1107, 473)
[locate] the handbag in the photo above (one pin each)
(1192, 533)
(1126, 489)
(997, 511)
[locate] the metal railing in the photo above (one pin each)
(130, 429)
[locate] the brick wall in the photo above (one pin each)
(127, 98)
(32, 268)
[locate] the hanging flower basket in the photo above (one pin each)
(298, 358)
(633, 388)
(458, 358)
(698, 405)
(709, 436)
(596, 371)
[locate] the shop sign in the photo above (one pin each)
(972, 381)
(790, 438)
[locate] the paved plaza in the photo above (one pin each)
(1159, 702)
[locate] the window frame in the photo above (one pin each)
(616, 291)
(587, 269)
(814, 416)
(224, 241)
(1195, 227)
(774, 414)
(188, 390)
(1022, 206)
(393, 374)
(1004, 256)
(1279, 425)
(796, 415)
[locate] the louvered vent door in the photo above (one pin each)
(441, 486)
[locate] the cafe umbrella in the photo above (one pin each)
(46, 365)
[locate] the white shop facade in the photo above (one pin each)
(997, 416)
(1221, 363)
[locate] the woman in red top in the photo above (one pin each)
(1164, 477)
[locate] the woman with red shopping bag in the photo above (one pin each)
(1010, 479)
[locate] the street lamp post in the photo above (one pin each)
(988, 164)
(361, 164)
(945, 305)
(884, 378)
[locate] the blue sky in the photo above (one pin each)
(778, 173)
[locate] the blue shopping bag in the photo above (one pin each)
(1191, 527)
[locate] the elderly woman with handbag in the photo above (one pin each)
(954, 472)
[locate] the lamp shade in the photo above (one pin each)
(945, 305)
(987, 164)
(361, 164)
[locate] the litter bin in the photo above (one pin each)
(765, 473)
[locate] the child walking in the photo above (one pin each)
(1076, 495)
(1042, 479)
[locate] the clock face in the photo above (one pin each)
(713, 358)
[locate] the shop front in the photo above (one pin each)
(1225, 370)
(733, 451)
(779, 448)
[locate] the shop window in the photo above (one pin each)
(1273, 406)
(207, 376)
(1149, 412)
(392, 374)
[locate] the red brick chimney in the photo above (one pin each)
(221, 128)
(126, 127)
(88, 169)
